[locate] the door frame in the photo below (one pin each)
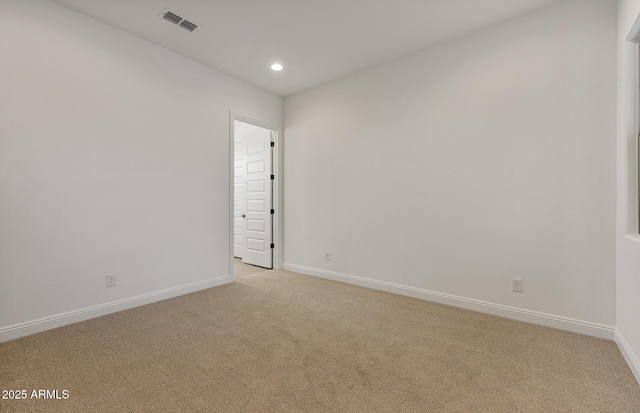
(276, 165)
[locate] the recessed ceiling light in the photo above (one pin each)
(277, 67)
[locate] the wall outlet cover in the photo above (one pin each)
(516, 285)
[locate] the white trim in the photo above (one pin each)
(520, 314)
(636, 216)
(633, 237)
(628, 354)
(47, 323)
(231, 191)
(634, 33)
(277, 229)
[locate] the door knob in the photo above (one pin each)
(243, 216)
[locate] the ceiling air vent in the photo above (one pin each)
(170, 16)
(173, 18)
(185, 24)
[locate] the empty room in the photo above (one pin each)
(319, 206)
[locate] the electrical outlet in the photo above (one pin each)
(111, 280)
(516, 285)
(327, 256)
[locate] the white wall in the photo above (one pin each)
(446, 173)
(628, 241)
(114, 157)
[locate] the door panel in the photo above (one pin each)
(255, 244)
(256, 205)
(238, 193)
(255, 225)
(254, 167)
(257, 199)
(256, 186)
(256, 147)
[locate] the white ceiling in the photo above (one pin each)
(316, 40)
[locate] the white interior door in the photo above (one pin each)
(238, 198)
(256, 196)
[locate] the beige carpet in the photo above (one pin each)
(281, 342)
(242, 270)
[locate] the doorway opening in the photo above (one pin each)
(253, 196)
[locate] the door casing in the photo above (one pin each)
(277, 185)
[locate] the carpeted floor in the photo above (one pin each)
(242, 270)
(276, 341)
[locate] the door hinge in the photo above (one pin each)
(273, 144)
(273, 177)
(273, 211)
(273, 245)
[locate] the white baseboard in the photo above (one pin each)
(47, 323)
(529, 316)
(628, 354)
